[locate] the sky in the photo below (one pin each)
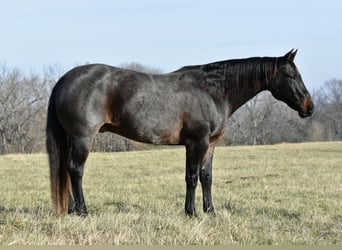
(167, 35)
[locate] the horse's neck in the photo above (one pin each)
(241, 80)
(239, 94)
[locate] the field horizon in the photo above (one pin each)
(264, 195)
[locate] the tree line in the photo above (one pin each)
(263, 120)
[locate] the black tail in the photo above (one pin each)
(58, 149)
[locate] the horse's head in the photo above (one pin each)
(288, 86)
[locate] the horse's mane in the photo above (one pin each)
(218, 77)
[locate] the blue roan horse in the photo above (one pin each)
(187, 107)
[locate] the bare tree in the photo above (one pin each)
(328, 111)
(21, 105)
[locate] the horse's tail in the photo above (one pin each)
(58, 150)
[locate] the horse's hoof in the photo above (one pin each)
(191, 214)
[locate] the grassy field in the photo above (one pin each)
(281, 194)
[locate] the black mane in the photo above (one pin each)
(221, 76)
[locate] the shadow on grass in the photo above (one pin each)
(36, 210)
(4, 210)
(274, 213)
(253, 177)
(123, 207)
(278, 213)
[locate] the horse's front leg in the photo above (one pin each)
(206, 181)
(195, 152)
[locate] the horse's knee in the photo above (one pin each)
(191, 180)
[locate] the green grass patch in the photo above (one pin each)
(281, 194)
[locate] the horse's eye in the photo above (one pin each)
(291, 76)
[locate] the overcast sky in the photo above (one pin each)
(170, 34)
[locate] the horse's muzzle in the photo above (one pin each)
(307, 108)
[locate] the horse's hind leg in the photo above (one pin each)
(79, 153)
(206, 181)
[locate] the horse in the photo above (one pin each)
(188, 107)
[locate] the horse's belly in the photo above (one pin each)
(156, 132)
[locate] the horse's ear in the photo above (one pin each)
(290, 56)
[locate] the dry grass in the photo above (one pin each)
(282, 194)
